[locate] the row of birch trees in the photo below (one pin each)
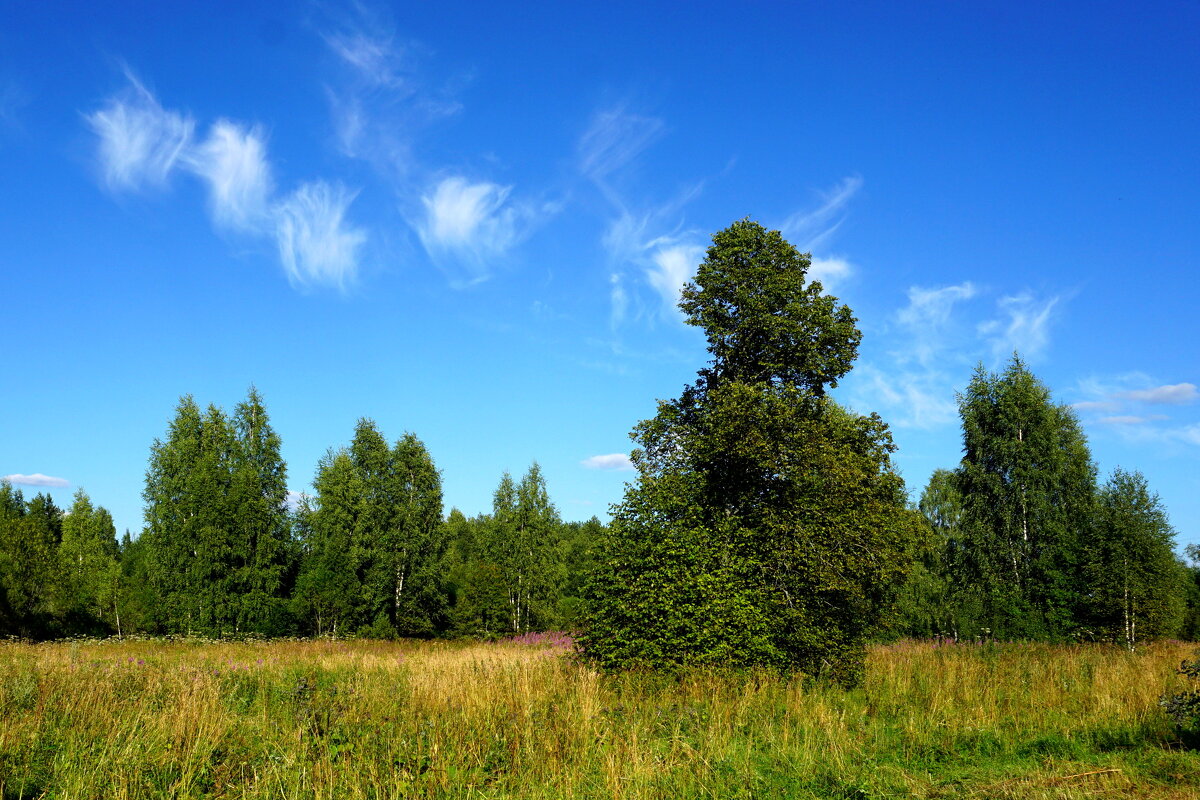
(1026, 542)
(226, 551)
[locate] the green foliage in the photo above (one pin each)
(30, 533)
(1027, 483)
(216, 521)
(1137, 586)
(518, 569)
(373, 540)
(88, 568)
(1184, 707)
(766, 521)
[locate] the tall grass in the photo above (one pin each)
(368, 719)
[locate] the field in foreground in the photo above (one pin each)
(386, 720)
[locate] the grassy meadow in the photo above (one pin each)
(369, 719)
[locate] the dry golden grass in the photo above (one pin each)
(366, 719)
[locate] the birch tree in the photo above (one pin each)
(1027, 481)
(1137, 586)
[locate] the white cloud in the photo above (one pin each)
(470, 223)
(671, 266)
(830, 272)
(294, 499)
(809, 229)
(232, 160)
(36, 479)
(932, 307)
(140, 142)
(620, 300)
(1129, 419)
(1095, 405)
(376, 59)
(1023, 327)
(926, 321)
(1175, 394)
(316, 245)
(613, 139)
(613, 461)
(911, 399)
(1189, 434)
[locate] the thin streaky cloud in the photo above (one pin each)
(1023, 327)
(809, 229)
(1130, 419)
(376, 59)
(233, 162)
(618, 462)
(911, 399)
(1095, 405)
(140, 143)
(613, 139)
(1174, 394)
(316, 244)
(36, 479)
(926, 322)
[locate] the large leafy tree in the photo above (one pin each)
(1137, 586)
(216, 524)
(766, 521)
(1028, 485)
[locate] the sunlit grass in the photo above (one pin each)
(366, 719)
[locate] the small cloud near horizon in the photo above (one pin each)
(36, 479)
(618, 462)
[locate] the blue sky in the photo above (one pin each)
(471, 221)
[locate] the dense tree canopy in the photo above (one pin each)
(1028, 486)
(766, 521)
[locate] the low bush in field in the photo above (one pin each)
(516, 719)
(1184, 707)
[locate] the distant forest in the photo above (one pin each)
(1019, 543)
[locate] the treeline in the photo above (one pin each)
(223, 553)
(1025, 541)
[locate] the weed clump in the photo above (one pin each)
(1184, 707)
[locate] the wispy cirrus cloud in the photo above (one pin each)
(1023, 326)
(1130, 419)
(647, 247)
(612, 461)
(809, 228)
(1176, 394)
(1123, 404)
(233, 162)
(140, 143)
(614, 138)
(936, 340)
(469, 224)
(316, 245)
(914, 382)
(926, 321)
(36, 479)
(377, 59)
